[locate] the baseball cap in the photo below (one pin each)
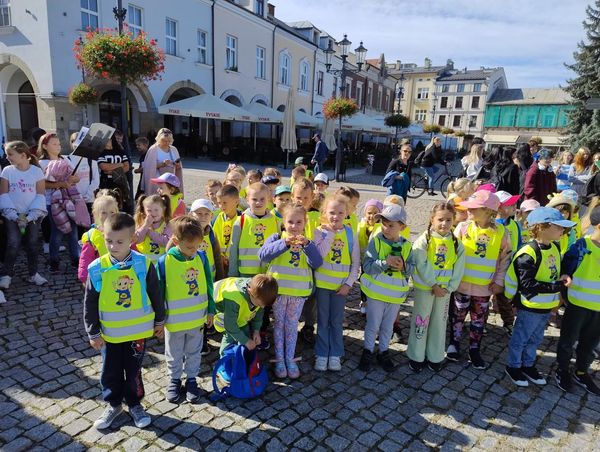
(550, 215)
(487, 187)
(506, 199)
(456, 200)
(544, 154)
(282, 189)
(317, 135)
(393, 212)
(529, 204)
(167, 178)
(299, 161)
(571, 194)
(482, 198)
(202, 203)
(322, 177)
(270, 180)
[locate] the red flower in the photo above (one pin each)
(104, 74)
(98, 65)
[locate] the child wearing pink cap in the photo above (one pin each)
(527, 206)
(169, 185)
(488, 250)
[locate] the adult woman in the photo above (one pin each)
(540, 180)
(505, 174)
(472, 163)
(525, 160)
(403, 166)
(431, 156)
(581, 172)
(562, 170)
(162, 157)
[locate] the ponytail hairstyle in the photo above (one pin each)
(144, 200)
(113, 192)
(41, 152)
(444, 206)
(21, 148)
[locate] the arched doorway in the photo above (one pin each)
(28, 112)
(110, 109)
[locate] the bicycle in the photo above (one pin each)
(420, 184)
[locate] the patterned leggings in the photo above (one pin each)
(286, 311)
(477, 307)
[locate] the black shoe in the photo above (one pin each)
(453, 353)
(192, 392)
(385, 361)
(476, 360)
(264, 342)
(205, 348)
(432, 193)
(532, 374)
(586, 382)
(416, 366)
(564, 380)
(54, 268)
(517, 376)
(435, 367)
(174, 391)
(366, 359)
(307, 334)
(397, 336)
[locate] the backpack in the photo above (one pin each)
(240, 368)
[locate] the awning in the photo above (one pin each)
(207, 106)
(306, 120)
(500, 139)
(264, 113)
(364, 123)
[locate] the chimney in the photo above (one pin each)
(427, 63)
(449, 64)
(270, 10)
(398, 64)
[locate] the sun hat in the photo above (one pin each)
(393, 212)
(560, 198)
(167, 178)
(506, 199)
(374, 203)
(529, 204)
(487, 187)
(282, 189)
(550, 215)
(202, 204)
(322, 177)
(299, 161)
(482, 198)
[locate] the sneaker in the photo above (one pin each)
(293, 371)
(307, 333)
(108, 417)
(5, 282)
(54, 268)
(415, 366)
(174, 391)
(508, 329)
(334, 363)
(476, 360)
(280, 369)
(586, 382)
(192, 391)
(366, 359)
(432, 193)
(321, 363)
(397, 336)
(532, 374)
(564, 380)
(435, 367)
(517, 376)
(2, 297)
(264, 342)
(141, 419)
(38, 280)
(452, 354)
(205, 348)
(385, 361)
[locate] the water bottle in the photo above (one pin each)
(396, 251)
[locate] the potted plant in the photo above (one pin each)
(337, 107)
(83, 94)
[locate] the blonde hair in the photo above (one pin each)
(394, 199)
(586, 221)
(317, 201)
(475, 154)
(303, 184)
(462, 184)
(20, 147)
(272, 172)
(140, 214)
(103, 201)
(330, 199)
(160, 136)
(537, 229)
(291, 210)
(257, 187)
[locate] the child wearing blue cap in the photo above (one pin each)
(533, 282)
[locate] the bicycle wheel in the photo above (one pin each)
(417, 188)
(444, 187)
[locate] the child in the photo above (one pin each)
(211, 189)
(366, 227)
(281, 199)
(526, 208)
(440, 264)
(317, 202)
(240, 303)
(463, 188)
(533, 282)
(581, 321)
(353, 199)
(574, 197)
(460, 213)
(202, 210)
(228, 198)
(236, 177)
(321, 183)
(93, 245)
(566, 206)
(338, 245)
(122, 307)
(187, 286)
(272, 183)
(297, 173)
(487, 250)
(141, 144)
(387, 266)
(299, 162)
(169, 185)
(291, 258)
(252, 177)
(23, 206)
(272, 172)
(152, 232)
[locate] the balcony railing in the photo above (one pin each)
(5, 13)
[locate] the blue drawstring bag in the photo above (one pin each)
(241, 371)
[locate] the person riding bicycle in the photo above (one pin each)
(432, 155)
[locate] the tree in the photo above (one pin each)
(584, 125)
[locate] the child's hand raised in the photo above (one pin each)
(395, 262)
(97, 343)
(566, 279)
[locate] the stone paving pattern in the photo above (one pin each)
(49, 389)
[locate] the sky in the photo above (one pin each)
(531, 39)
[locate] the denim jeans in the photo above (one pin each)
(319, 167)
(528, 334)
(56, 238)
(32, 245)
(330, 323)
(430, 171)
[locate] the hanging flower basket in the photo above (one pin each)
(105, 54)
(431, 128)
(397, 121)
(339, 106)
(83, 94)
(447, 131)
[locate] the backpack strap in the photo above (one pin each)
(203, 257)
(95, 275)
(139, 267)
(350, 238)
(212, 237)
(160, 265)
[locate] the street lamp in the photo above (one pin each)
(120, 14)
(360, 59)
(399, 93)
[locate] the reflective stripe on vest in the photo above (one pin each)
(150, 249)
(120, 307)
(252, 237)
(95, 238)
(222, 228)
(228, 289)
(482, 249)
(292, 272)
(336, 264)
(389, 286)
(441, 256)
(585, 289)
(185, 293)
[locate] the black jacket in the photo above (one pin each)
(433, 155)
(507, 179)
(592, 189)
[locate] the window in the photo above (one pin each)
(460, 88)
(445, 88)
(378, 106)
(477, 87)
(475, 102)
(89, 14)
(231, 53)
(134, 16)
(304, 71)
(442, 120)
(423, 93)
(458, 103)
(284, 69)
(5, 13)
(420, 115)
(259, 7)
(472, 121)
(359, 95)
(171, 37)
(456, 121)
(369, 96)
(320, 75)
(444, 102)
(260, 62)
(202, 47)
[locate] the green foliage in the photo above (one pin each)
(447, 131)
(397, 121)
(83, 94)
(431, 128)
(460, 133)
(339, 106)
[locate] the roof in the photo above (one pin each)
(302, 24)
(474, 74)
(418, 69)
(529, 96)
(291, 30)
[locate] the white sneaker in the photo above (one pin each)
(141, 419)
(335, 363)
(107, 418)
(46, 248)
(2, 297)
(5, 282)
(38, 280)
(321, 363)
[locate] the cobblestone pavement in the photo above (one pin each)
(49, 391)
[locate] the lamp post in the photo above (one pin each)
(399, 94)
(120, 14)
(360, 59)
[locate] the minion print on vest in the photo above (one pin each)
(154, 248)
(440, 256)
(551, 261)
(481, 245)
(226, 234)
(191, 279)
(203, 245)
(259, 234)
(123, 287)
(295, 250)
(336, 251)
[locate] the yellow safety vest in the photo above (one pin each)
(292, 272)
(228, 289)
(364, 233)
(313, 221)
(96, 238)
(390, 286)
(254, 232)
(206, 246)
(150, 249)
(120, 306)
(336, 264)
(404, 233)
(223, 227)
(585, 289)
(186, 294)
(525, 235)
(513, 234)
(441, 256)
(548, 272)
(352, 221)
(174, 201)
(482, 249)
(577, 227)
